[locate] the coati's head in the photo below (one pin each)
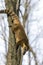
(24, 48)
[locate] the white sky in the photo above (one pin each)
(3, 34)
(35, 30)
(36, 26)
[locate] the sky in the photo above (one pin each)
(3, 34)
(35, 28)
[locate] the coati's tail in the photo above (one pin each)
(10, 13)
(7, 11)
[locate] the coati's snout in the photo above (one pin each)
(24, 48)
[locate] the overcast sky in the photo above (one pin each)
(35, 27)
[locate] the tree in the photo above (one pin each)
(12, 57)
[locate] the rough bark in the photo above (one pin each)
(13, 58)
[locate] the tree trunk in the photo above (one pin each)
(13, 58)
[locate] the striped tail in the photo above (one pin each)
(10, 13)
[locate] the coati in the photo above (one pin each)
(18, 30)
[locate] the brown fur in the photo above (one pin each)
(18, 30)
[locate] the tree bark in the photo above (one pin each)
(13, 58)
